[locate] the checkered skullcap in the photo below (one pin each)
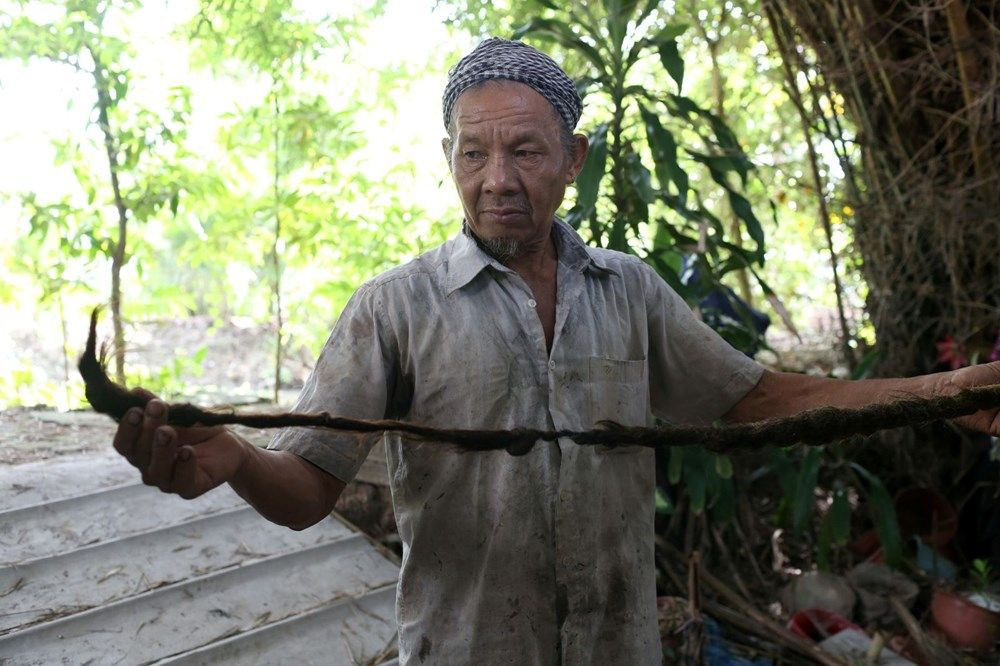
(498, 58)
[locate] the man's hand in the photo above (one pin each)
(185, 461)
(987, 420)
(780, 394)
(283, 487)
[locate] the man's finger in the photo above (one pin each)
(155, 416)
(161, 462)
(141, 392)
(127, 433)
(185, 473)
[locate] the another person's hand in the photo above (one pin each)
(185, 461)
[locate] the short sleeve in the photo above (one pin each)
(354, 377)
(695, 375)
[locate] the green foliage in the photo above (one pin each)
(142, 171)
(296, 132)
(271, 37)
(806, 476)
(836, 528)
(171, 381)
(275, 218)
(884, 516)
(705, 478)
(981, 575)
(644, 187)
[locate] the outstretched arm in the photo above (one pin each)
(783, 394)
(283, 487)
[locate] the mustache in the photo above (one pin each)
(518, 203)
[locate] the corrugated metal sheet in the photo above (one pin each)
(96, 568)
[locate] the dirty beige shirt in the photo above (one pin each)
(544, 558)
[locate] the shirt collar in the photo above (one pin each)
(574, 253)
(467, 260)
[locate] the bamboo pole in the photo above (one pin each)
(795, 95)
(964, 43)
(766, 623)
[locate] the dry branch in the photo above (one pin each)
(814, 427)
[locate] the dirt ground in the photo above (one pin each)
(30, 434)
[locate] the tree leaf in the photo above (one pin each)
(786, 318)
(670, 32)
(640, 178)
(672, 61)
(884, 515)
(865, 368)
(694, 478)
(737, 162)
(836, 528)
(805, 485)
(664, 148)
(563, 34)
(839, 517)
(588, 181)
(724, 503)
(740, 205)
(723, 466)
(676, 464)
(663, 504)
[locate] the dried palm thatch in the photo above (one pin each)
(920, 82)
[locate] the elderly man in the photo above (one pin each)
(539, 559)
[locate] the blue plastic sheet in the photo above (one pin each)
(715, 652)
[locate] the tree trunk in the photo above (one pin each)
(275, 251)
(118, 258)
(917, 81)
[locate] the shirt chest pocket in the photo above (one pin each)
(618, 391)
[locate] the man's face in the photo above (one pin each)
(509, 163)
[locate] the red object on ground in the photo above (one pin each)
(964, 623)
(920, 512)
(868, 546)
(816, 624)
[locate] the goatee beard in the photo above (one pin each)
(501, 249)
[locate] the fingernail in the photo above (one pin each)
(154, 408)
(133, 417)
(162, 437)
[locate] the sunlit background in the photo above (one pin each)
(383, 197)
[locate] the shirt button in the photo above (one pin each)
(564, 495)
(532, 302)
(552, 365)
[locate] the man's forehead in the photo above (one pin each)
(501, 97)
(508, 104)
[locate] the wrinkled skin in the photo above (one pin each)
(509, 163)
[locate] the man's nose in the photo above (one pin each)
(501, 177)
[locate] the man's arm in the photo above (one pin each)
(783, 394)
(281, 486)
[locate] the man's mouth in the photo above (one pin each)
(504, 213)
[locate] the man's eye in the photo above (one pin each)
(472, 154)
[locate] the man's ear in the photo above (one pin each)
(580, 146)
(446, 147)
